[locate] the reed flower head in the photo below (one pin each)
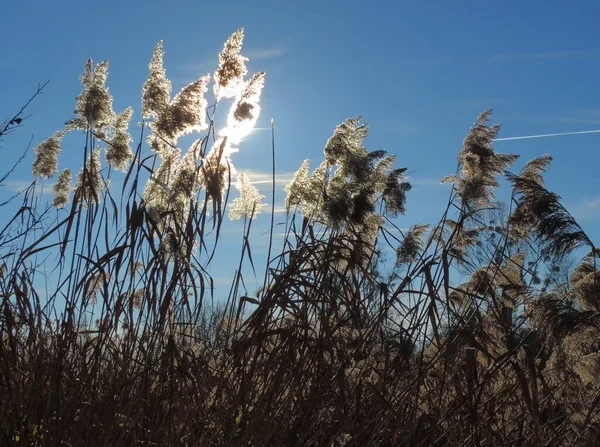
(381, 171)
(197, 147)
(296, 189)
(531, 182)
(94, 285)
(339, 204)
(45, 164)
(159, 144)
(138, 297)
(359, 242)
(156, 92)
(370, 228)
(510, 276)
(62, 189)
(229, 77)
(347, 139)
(585, 285)
(248, 204)
(171, 246)
(412, 243)
(217, 169)
(245, 110)
(533, 170)
(119, 151)
(94, 103)
(540, 211)
(89, 180)
(394, 193)
(480, 164)
(157, 191)
(313, 199)
(186, 113)
(187, 179)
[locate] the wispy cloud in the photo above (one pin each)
(425, 181)
(272, 52)
(258, 178)
(284, 178)
(538, 56)
(17, 186)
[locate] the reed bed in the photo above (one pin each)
(480, 329)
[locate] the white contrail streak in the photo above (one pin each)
(527, 137)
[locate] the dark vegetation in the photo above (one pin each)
(483, 331)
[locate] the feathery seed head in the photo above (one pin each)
(186, 180)
(534, 169)
(62, 189)
(480, 164)
(381, 171)
(296, 189)
(45, 164)
(248, 204)
(94, 103)
(93, 286)
(186, 113)
(394, 193)
(245, 110)
(370, 228)
(216, 169)
(540, 211)
(347, 139)
(138, 297)
(339, 204)
(412, 243)
(159, 144)
(313, 199)
(89, 180)
(156, 92)
(119, 152)
(585, 283)
(157, 191)
(232, 68)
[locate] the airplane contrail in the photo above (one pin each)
(546, 135)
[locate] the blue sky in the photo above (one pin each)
(419, 74)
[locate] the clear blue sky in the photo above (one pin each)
(418, 72)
